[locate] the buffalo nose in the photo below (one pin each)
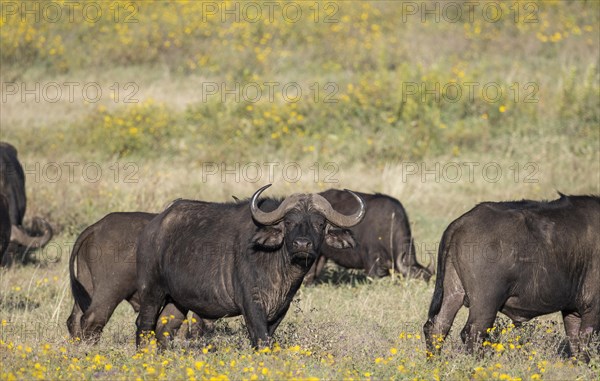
(302, 244)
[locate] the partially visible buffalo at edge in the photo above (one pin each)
(4, 225)
(12, 187)
(524, 259)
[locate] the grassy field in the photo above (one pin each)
(185, 110)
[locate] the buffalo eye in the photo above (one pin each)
(320, 226)
(318, 222)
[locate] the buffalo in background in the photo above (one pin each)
(12, 187)
(229, 259)
(524, 259)
(384, 242)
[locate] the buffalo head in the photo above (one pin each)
(302, 222)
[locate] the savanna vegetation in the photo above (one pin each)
(123, 106)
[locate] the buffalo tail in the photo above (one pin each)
(80, 294)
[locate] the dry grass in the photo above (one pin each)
(352, 329)
(363, 330)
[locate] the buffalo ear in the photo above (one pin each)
(339, 238)
(269, 237)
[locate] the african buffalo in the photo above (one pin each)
(106, 271)
(234, 258)
(524, 259)
(383, 239)
(12, 187)
(5, 225)
(12, 183)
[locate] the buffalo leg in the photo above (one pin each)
(321, 262)
(74, 321)
(152, 299)
(134, 302)
(256, 323)
(200, 327)
(170, 320)
(572, 323)
(485, 299)
(475, 330)
(275, 323)
(485, 302)
(437, 327)
(96, 317)
(315, 270)
(590, 325)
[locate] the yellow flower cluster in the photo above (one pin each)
(48, 362)
(205, 36)
(141, 127)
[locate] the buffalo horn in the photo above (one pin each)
(336, 218)
(271, 218)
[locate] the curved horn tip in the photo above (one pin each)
(260, 190)
(363, 208)
(262, 217)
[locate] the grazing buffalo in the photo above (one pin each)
(106, 271)
(524, 259)
(5, 225)
(12, 187)
(12, 183)
(15, 234)
(383, 239)
(234, 259)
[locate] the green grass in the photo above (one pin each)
(162, 147)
